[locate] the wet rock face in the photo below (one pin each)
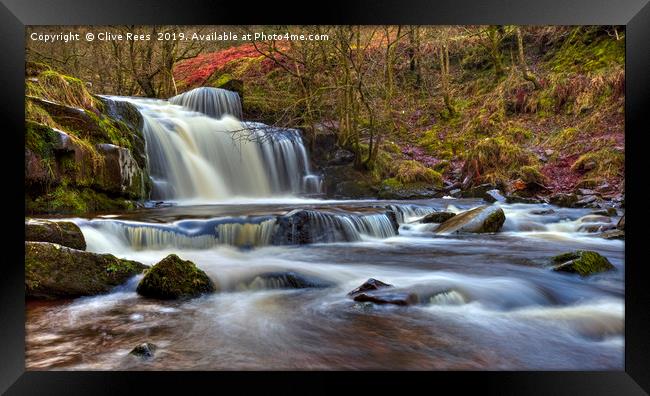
(121, 174)
(369, 285)
(64, 233)
(479, 191)
(301, 227)
(564, 200)
(54, 271)
(606, 212)
(581, 262)
(174, 278)
(417, 190)
(494, 196)
(343, 181)
(342, 157)
(437, 217)
(82, 156)
(514, 199)
(621, 224)
(144, 351)
(478, 220)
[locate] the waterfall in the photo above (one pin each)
(198, 149)
(406, 213)
(185, 234)
(246, 231)
(311, 226)
(214, 102)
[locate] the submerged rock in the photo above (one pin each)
(595, 223)
(54, 271)
(479, 220)
(388, 297)
(582, 262)
(437, 217)
(612, 234)
(606, 212)
(145, 350)
(369, 285)
(587, 201)
(621, 224)
(174, 278)
(285, 280)
(65, 233)
(542, 212)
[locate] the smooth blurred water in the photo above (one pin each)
(496, 304)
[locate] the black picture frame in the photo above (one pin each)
(16, 14)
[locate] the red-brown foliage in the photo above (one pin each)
(195, 71)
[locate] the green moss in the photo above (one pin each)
(497, 160)
(410, 171)
(73, 200)
(175, 278)
(392, 183)
(518, 134)
(603, 163)
(531, 174)
(564, 257)
(587, 49)
(582, 262)
(60, 88)
(53, 271)
(41, 139)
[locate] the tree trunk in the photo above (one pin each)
(525, 71)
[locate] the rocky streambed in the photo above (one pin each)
(429, 284)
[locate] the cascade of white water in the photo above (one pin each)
(214, 102)
(198, 150)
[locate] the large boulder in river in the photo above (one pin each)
(64, 233)
(582, 262)
(479, 220)
(54, 271)
(174, 278)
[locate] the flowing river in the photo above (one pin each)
(486, 301)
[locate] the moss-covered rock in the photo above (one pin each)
(64, 233)
(582, 262)
(79, 148)
(70, 200)
(174, 278)
(54, 271)
(477, 220)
